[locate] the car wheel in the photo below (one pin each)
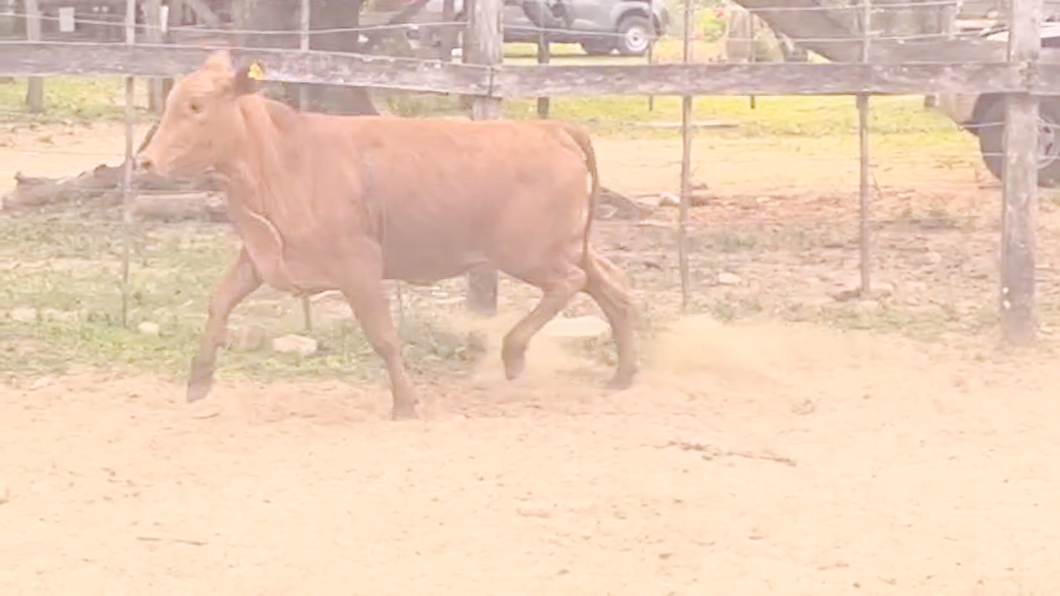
(992, 140)
(598, 48)
(635, 35)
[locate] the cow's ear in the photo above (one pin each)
(248, 79)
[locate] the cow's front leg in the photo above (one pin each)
(239, 280)
(364, 290)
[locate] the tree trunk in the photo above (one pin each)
(331, 14)
(276, 15)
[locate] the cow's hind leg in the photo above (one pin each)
(557, 291)
(607, 286)
(365, 293)
(239, 280)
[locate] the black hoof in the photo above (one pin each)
(514, 363)
(404, 413)
(198, 390)
(622, 380)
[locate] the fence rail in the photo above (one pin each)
(363, 70)
(861, 63)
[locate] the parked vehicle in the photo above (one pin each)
(599, 26)
(984, 116)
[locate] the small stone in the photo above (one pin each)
(867, 306)
(669, 199)
(295, 344)
(763, 200)
(576, 327)
(728, 279)
(804, 407)
(65, 316)
(23, 314)
(246, 338)
(40, 383)
(933, 257)
(148, 328)
(882, 289)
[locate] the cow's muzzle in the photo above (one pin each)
(144, 162)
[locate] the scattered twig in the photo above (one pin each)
(178, 540)
(710, 452)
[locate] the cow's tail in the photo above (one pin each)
(580, 134)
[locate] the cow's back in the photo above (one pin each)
(442, 194)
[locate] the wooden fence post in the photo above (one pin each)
(447, 34)
(35, 85)
(686, 164)
(484, 45)
(1020, 181)
(127, 168)
(544, 56)
(153, 33)
(865, 169)
(303, 103)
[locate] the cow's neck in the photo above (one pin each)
(260, 164)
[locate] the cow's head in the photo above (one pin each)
(201, 120)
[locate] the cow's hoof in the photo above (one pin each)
(623, 379)
(404, 412)
(199, 389)
(514, 362)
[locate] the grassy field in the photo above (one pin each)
(64, 263)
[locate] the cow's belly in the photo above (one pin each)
(299, 269)
(427, 268)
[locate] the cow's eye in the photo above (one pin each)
(195, 107)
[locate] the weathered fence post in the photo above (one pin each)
(651, 61)
(127, 169)
(447, 35)
(544, 56)
(1020, 181)
(303, 101)
(686, 164)
(172, 16)
(865, 170)
(153, 32)
(484, 45)
(35, 85)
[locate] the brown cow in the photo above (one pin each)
(337, 202)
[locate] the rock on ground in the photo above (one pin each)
(295, 344)
(23, 314)
(149, 328)
(246, 338)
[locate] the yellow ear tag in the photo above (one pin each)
(254, 71)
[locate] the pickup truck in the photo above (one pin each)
(984, 116)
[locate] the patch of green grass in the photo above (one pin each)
(74, 98)
(898, 121)
(69, 266)
(789, 116)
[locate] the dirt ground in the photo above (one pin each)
(754, 458)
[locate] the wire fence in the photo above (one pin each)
(771, 193)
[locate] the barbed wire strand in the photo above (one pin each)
(432, 23)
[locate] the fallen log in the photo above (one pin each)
(100, 187)
(617, 206)
(34, 192)
(176, 200)
(173, 207)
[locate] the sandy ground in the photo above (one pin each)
(749, 459)
(753, 460)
